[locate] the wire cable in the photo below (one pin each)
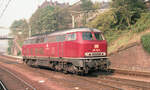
(1, 4)
(4, 9)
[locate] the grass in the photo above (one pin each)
(145, 40)
(125, 39)
(121, 38)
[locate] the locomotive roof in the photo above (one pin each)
(75, 30)
(69, 31)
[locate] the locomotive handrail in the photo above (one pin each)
(69, 57)
(85, 58)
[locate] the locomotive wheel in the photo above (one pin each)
(65, 72)
(31, 63)
(82, 74)
(28, 62)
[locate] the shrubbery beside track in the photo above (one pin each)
(145, 40)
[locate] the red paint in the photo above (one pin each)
(72, 49)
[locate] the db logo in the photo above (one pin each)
(96, 46)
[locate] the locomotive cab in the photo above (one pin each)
(94, 50)
(94, 44)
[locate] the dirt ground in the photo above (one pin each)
(45, 79)
(133, 58)
(9, 80)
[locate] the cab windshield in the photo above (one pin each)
(87, 36)
(98, 36)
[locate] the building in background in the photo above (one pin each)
(78, 17)
(147, 2)
(51, 3)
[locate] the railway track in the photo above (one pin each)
(124, 84)
(134, 83)
(99, 82)
(118, 82)
(137, 84)
(10, 81)
(132, 73)
(113, 83)
(82, 82)
(2, 86)
(109, 82)
(18, 83)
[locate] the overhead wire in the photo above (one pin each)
(4, 9)
(1, 3)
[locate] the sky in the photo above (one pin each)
(22, 9)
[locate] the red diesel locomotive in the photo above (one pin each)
(77, 50)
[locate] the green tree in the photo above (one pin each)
(20, 31)
(96, 5)
(42, 20)
(20, 26)
(104, 21)
(49, 19)
(86, 5)
(10, 43)
(127, 11)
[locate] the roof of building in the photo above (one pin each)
(51, 3)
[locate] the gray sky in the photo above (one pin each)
(22, 9)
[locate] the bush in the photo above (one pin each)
(10, 44)
(104, 21)
(127, 12)
(142, 24)
(145, 39)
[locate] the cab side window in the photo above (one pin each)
(50, 39)
(60, 38)
(40, 40)
(71, 36)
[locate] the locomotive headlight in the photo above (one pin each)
(104, 54)
(88, 54)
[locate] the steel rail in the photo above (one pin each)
(19, 78)
(123, 82)
(130, 72)
(120, 80)
(100, 83)
(3, 86)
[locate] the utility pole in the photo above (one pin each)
(29, 30)
(76, 13)
(73, 21)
